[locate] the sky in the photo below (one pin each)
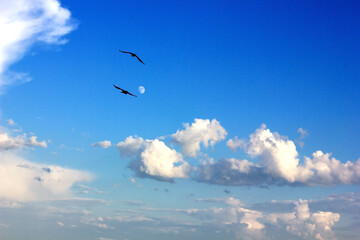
(248, 127)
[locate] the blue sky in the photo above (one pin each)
(248, 128)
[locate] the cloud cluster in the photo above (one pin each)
(25, 22)
(305, 224)
(154, 159)
(300, 222)
(201, 131)
(277, 159)
(278, 164)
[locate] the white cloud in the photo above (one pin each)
(131, 146)
(226, 200)
(235, 143)
(303, 133)
(97, 222)
(277, 159)
(60, 223)
(11, 122)
(201, 131)
(87, 189)
(25, 22)
(277, 155)
(305, 224)
(22, 180)
(103, 144)
(7, 142)
(300, 222)
(323, 170)
(279, 164)
(152, 158)
(233, 214)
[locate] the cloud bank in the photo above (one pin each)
(25, 22)
(22, 180)
(274, 159)
(278, 163)
(300, 222)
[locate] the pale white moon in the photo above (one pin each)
(141, 89)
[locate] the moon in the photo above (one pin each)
(141, 89)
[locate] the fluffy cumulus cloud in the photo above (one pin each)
(242, 217)
(25, 22)
(102, 144)
(154, 159)
(278, 163)
(277, 158)
(201, 131)
(7, 142)
(303, 223)
(22, 180)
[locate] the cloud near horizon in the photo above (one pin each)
(23, 181)
(300, 221)
(26, 22)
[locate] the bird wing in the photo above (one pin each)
(139, 59)
(132, 94)
(125, 52)
(118, 88)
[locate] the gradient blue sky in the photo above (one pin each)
(238, 64)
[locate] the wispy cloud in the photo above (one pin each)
(25, 22)
(86, 189)
(60, 223)
(11, 122)
(103, 144)
(132, 202)
(303, 134)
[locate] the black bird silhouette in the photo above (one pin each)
(124, 91)
(133, 55)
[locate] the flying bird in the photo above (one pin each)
(124, 91)
(133, 55)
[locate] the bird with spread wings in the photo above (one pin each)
(124, 91)
(133, 55)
